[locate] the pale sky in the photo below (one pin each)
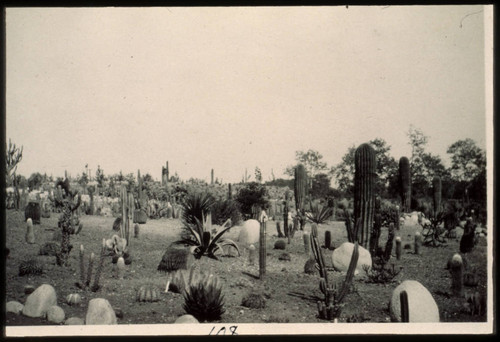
(235, 88)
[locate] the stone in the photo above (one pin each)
(74, 321)
(422, 307)
(186, 319)
(341, 258)
(40, 301)
(55, 314)
(250, 232)
(14, 307)
(100, 312)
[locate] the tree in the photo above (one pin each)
(344, 172)
(467, 160)
(321, 186)
(249, 195)
(35, 181)
(312, 161)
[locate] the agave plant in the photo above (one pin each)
(207, 238)
(319, 213)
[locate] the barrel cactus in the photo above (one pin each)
(148, 293)
(30, 267)
(364, 195)
(74, 299)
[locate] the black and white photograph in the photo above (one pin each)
(248, 170)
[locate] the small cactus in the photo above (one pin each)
(147, 293)
(398, 247)
(418, 243)
(457, 280)
(405, 312)
(136, 231)
(30, 235)
(262, 250)
(254, 301)
(95, 286)
(328, 239)
(120, 268)
(307, 241)
(30, 267)
(280, 244)
(251, 254)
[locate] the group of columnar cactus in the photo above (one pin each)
(86, 274)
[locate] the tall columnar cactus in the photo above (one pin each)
(405, 311)
(364, 195)
(418, 243)
(300, 187)
(262, 250)
(164, 175)
(95, 286)
(229, 192)
(307, 242)
(377, 227)
(328, 239)
(405, 183)
(436, 186)
(285, 216)
(212, 176)
(69, 224)
(30, 235)
(398, 248)
(128, 206)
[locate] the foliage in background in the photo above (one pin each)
(249, 195)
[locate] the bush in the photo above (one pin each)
(225, 209)
(251, 194)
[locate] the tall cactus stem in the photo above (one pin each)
(405, 183)
(405, 312)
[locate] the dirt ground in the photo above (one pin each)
(291, 294)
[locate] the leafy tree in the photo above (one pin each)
(249, 195)
(312, 161)
(321, 186)
(467, 160)
(35, 181)
(344, 172)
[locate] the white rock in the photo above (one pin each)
(100, 312)
(74, 321)
(250, 232)
(14, 307)
(421, 305)
(40, 301)
(186, 319)
(55, 314)
(341, 258)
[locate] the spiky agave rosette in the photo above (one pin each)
(205, 300)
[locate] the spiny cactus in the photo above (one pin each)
(262, 250)
(95, 286)
(364, 195)
(254, 301)
(457, 275)
(418, 243)
(278, 229)
(279, 244)
(405, 312)
(328, 239)
(30, 267)
(30, 235)
(300, 187)
(398, 247)
(69, 224)
(307, 242)
(405, 183)
(147, 293)
(285, 216)
(175, 259)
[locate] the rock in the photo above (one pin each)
(341, 257)
(14, 307)
(55, 314)
(40, 301)
(100, 312)
(186, 319)
(421, 305)
(74, 321)
(28, 289)
(412, 219)
(250, 232)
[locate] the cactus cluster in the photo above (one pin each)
(30, 267)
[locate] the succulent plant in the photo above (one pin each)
(405, 183)
(300, 186)
(50, 248)
(205, 300)
(310, 266)
(147, 293)
(280, 244)
(74, 299)
(254, 301)
(174, 259)
(30, 267)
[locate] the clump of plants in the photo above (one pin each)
(381, 272)
(224, 209)
(30, 267)
(207, 239)
(254, 301)
(205, 300)
(331, 306)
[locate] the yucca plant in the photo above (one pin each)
(319, 213)
(204, 300)
(207, 238)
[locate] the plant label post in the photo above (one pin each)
(262, 250)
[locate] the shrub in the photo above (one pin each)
(225, 209)
(204, 300)
(254, 301)
(252, 194)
